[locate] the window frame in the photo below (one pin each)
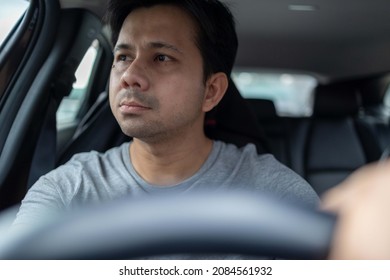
(18, 132)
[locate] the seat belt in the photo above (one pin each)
(45, 155)
(45, 152)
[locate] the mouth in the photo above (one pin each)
(132, 107)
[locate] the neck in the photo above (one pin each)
(169, 162)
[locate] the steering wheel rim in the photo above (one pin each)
(207, 223)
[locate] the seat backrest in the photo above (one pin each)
(331, 145)
(327, 147)
(276, 129)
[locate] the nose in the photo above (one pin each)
(135, 76)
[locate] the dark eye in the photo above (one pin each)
(162, 58)
(121, 57)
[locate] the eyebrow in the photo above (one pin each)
(151, 45)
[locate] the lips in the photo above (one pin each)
(132, 107)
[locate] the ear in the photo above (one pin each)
(216, 87)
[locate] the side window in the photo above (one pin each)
(292, 94)
(11, 11)
(69, 109)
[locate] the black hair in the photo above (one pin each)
(216, 35)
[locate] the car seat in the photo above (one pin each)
(334, 142)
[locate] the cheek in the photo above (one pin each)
(114, 81)
(113, 90)
(184, 96)
(182, 90)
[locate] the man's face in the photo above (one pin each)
(156, 84)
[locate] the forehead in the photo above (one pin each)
(165, 22)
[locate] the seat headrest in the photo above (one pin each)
(336, 101)
(233, 121)
(263, 108)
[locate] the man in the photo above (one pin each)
(172, 62)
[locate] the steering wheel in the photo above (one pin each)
(215, 223)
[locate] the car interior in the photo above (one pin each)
(342, 45)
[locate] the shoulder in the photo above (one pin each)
(89, 169)
(80, 175)
(245, 161)
(247, 153)
(93, 156)
(231, 150)
(84, 169)
(265, 173)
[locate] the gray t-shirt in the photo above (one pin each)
(97, 177)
